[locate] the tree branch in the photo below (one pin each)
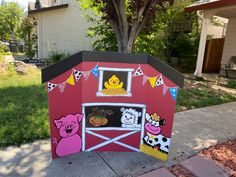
(118, 15)
(140, 22)
(124, 24)
(117, 32)
(145, 17)
(122, 21)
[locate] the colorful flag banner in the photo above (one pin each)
(77, 74)
(164, 90)
(159, 81)
(71, 80)
(145, 78)
(173, 92)
(62, 86)
(51, 86)
(86, 74)
(152, 81)
(95, 71)
(138, 72)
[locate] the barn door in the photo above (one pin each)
(104, 127)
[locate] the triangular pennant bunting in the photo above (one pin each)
(95, 71)
(173, 92)
(62, 86)
(164, 89)
(71, 80)
(51, 86)
(159, 81)
(86, 74)
(145, 78)
(152, 81)
(138, 72)
(77, 74)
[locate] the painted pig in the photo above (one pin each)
(70, 141)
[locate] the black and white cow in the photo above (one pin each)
(154, 138)
(157, 141)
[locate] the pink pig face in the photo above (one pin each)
(69, 125)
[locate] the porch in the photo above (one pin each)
(210, 9)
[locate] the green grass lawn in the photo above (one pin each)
(232, 84)
(23, 110)
(24, 113)
(197, 98)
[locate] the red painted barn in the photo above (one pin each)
(107, 101)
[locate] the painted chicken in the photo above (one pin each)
(113, 83)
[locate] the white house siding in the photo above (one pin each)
(230, 42)
(218, 31)
(62, 30)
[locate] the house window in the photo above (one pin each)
(115, 81)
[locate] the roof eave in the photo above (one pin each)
(168, 71)
(45, 9)
(60, 66)
(64, 65)
(209, 5)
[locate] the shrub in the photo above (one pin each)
(6, 68)
(198, 78)
(55, 56)
(232, 84)
(4, 48)
(1, 57)
(11, 69)
(28, 34)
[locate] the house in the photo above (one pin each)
(221, 8)
(107, 101)
(61, 27)
(217, 28)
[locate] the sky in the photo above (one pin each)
(23, 3)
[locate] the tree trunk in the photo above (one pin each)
(29, 45)
(125, 37)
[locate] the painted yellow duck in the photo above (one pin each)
(113, 83)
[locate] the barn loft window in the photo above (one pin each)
(114, 81)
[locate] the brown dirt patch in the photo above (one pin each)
(210, 81)
(224, 153)
(180, 171)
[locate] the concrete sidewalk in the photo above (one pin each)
(193, 131)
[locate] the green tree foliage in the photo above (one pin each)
(105, 37)
(173, 33)
(127, 17)
(28, 34)
(10, 20)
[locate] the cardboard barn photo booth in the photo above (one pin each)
(107, 101)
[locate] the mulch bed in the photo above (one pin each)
(180, 171)
(224, 153)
